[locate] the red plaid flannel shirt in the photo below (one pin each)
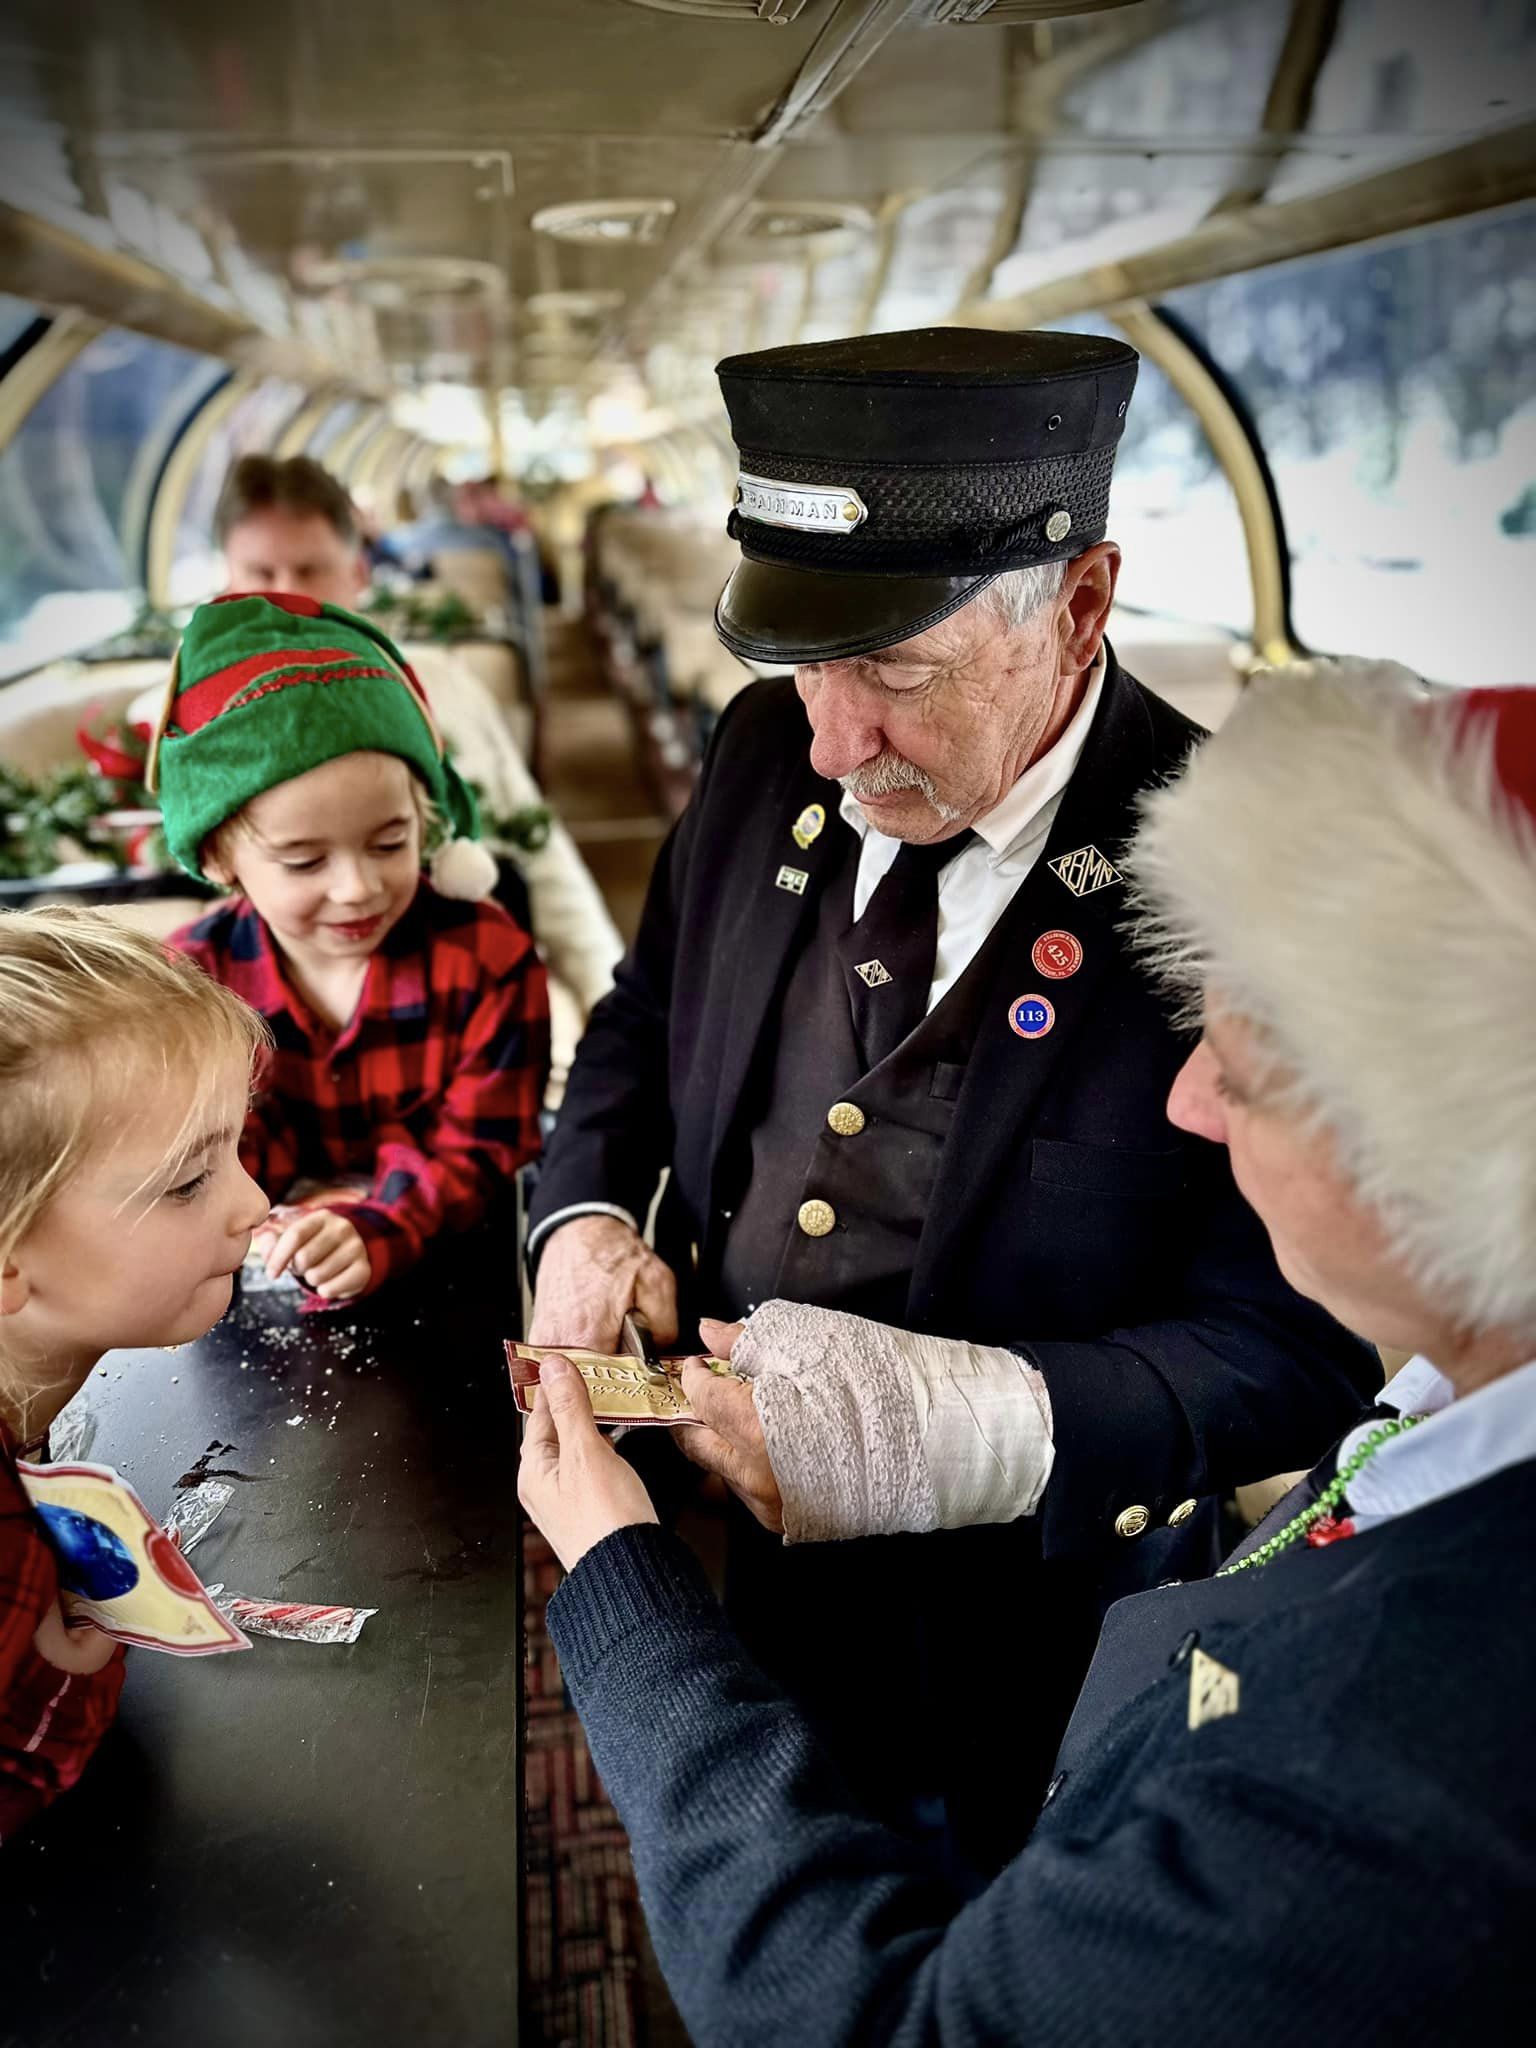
(431, 1092)
(50, 1720)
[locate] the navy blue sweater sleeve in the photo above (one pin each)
(1210, 1887)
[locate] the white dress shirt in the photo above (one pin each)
(1462, 1442)
(978, 885)
(974, 890)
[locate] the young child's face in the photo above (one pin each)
(139, 1249)
(332, 859)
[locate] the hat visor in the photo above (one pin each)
(769, 613)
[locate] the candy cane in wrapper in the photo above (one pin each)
(292, 1621)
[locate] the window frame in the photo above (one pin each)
(295, 436)
(1230, 429)
(175, 481)
(37, 363)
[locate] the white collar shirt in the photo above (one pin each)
(1458, 1444)
(980, 882)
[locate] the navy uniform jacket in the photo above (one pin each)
(1069, 1219)
(1295, 1805)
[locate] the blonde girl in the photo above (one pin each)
(124, 1214)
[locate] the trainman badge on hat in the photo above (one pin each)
(887, 479)
(807, 511)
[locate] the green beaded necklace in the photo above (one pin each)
(1326, 1501)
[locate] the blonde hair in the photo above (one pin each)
(1340, 868)
(86, 1007)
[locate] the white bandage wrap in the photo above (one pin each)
(872, 1431)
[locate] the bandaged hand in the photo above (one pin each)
(324, 1249)
(859, 1429)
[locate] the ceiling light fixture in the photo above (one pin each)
(606, 220)
(1000, 13)
(777, 13)
(770, 226)
(574, 305)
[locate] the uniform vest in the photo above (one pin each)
(838, 1163)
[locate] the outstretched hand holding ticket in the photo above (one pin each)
(570, 1479)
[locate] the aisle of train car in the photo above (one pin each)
(581, 1918)
(588, 1971)
(591, 770)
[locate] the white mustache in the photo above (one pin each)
(890, 773)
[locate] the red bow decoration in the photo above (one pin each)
(118, 753)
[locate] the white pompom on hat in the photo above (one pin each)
(464, 870)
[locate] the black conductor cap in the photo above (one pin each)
(887, 479)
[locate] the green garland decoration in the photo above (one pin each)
(406, 616)
(42, 820)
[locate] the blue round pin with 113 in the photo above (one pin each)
(1031, 1016)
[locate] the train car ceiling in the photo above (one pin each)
(522, 231)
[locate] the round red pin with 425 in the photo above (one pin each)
(1056, 955)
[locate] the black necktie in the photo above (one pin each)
(888, 955)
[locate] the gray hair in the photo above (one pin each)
(1340, 868)
(1018, 594)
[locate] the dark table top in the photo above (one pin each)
(297, 1843)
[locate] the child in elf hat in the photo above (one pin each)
(297, 763)
(124, 1215)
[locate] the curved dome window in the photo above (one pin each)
(251, 426)
(1394, 392)
(74, 485)
(1172, 510)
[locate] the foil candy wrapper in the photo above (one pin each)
(71, 1434)
(194, 1512)
(254, 1279)
(291, 1621)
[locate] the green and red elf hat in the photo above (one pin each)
(264, 688)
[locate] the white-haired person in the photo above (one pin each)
(1296, 1801)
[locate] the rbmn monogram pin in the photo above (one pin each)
(1084, 870)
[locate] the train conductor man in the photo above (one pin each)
(1011, 1339)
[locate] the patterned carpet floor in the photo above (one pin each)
(584, 1967)
(589, 1978)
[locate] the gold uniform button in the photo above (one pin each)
(846, 1118)
(1181, 1514)
(1131, 1521)
(816, 1218)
